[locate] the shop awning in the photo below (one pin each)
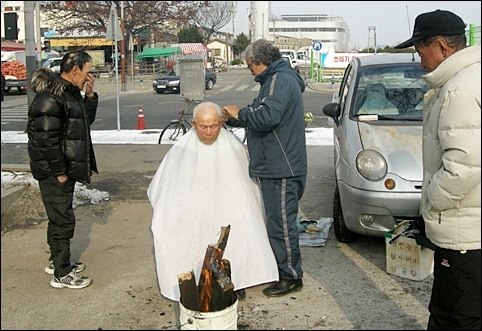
(12, 46)
(158, 52)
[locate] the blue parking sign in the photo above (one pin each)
(316, 45)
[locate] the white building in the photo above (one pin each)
(331, 31)
(259, 16)
(17, 7)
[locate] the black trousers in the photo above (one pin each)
(455, 301)
(58, 198)
(280, 198)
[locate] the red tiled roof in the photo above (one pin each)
(190, 48)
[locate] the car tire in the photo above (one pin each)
(159, 91)
(209, 84)
(342, 234)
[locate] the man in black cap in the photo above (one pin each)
(451, 192)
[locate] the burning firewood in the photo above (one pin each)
(215, 290)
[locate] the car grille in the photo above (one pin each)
(162, 82)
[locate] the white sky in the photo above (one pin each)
(389, 17)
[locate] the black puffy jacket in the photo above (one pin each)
(58, 129)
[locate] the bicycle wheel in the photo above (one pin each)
(172, 132)
(240, 132)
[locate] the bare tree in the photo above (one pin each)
(92, 17)
(213, 17)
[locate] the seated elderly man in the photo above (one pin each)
(201, 185)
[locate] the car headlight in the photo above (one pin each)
(173, 83)
(154, 82)
(371, 164)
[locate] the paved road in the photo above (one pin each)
(14, 108)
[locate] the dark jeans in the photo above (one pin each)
(57, 198)
(455, 301)
(280, 198)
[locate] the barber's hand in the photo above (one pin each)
(225, 117)
(89, 86)
(62, 178)
(231, 110)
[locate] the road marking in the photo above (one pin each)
(227, 88)
(18, 113)
(14, 116)
(242, 88)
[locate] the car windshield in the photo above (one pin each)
(55, 63)
(392, 92)
(49, 63)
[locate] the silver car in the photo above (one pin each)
(377, 131)
(53, 63)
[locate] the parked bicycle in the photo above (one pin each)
(178, 127)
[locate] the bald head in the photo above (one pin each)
(207, 121)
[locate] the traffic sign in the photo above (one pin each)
(114, 31)
(316, 45)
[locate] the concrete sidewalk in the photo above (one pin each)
(346, 287)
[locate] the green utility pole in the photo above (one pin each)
(472, 34)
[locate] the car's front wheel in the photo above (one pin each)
(209, 84)
(342, 234)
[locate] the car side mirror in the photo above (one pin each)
(333, 110)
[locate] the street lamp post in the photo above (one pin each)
(29, 45)
(370, 28)
(123, 46)
(39, 41)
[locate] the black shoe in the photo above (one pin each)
(283, 287)
(241, 294)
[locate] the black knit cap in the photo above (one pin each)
(435, 23)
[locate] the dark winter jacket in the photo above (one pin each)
(58, 129)
(276, 127)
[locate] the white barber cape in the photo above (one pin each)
(196, 190)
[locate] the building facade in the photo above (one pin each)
(259, 16)
(13, 18)
(331, 31)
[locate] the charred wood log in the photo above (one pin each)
(206, 281)
(223, 289)
(205, 287)
(188, 290)
(215, 290)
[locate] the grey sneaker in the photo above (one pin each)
(71, 280)
(78, 267)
